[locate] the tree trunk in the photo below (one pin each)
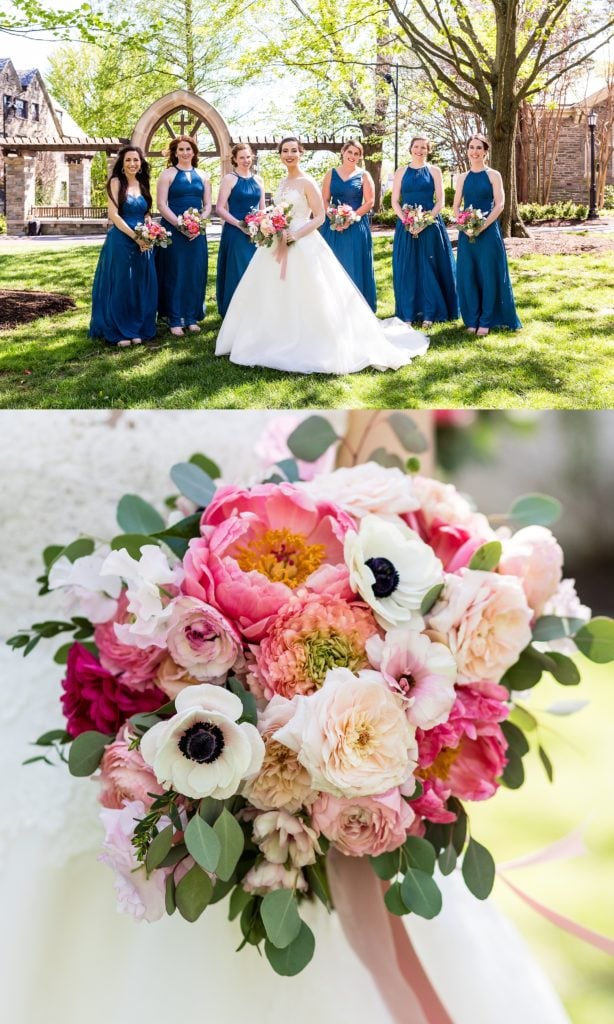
(503, 159)
(373, 142)
(502, 118)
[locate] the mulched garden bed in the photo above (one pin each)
(22, 307)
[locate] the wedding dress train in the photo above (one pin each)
(312, 320)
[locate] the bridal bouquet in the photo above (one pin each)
(470, 222)
(341, 216)
(191, 223)
(153, 234)
(305, 669)
(415, 218)
(266, 225)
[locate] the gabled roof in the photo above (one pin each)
(25, 77)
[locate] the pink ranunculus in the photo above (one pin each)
(363, 826)
(454, 545)
(484, 619)
(272, 447)
(465, 756)
(124, 775)
(536, 558)
(135, 666)
(258, 546)
(94, 699)
(421, 671)
(138, 893)
(441, 504)
(310, 635)
(201, 640)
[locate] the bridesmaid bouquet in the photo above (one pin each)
(191, 223)
(301, 670)
(153, 234)
(341, 216)
(415, 218)
(470, 222)
(266, 225)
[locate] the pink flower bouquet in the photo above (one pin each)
(264, 226)
(341, 215)
(191, 223)
(470, 222)
(306, 669)
(153, 234)
(415, 218)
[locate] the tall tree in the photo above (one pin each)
(486, 57)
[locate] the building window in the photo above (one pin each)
(34, 112)
(8, 104)
(21, 109)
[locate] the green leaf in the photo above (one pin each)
(193, 482)
(159, 848)
(208, 466)
(430, 598)
(210, 809)
(522, 718)
(251, 923)
(280, 917)
(78, 549)
(447, 860)
(478, 870)
(134, 515)
(86, 752)
(293, 958)
(459, 827)
(318, 881)
(290, 470)
(547, 763)
(193, 893)
(221, 889)
(203, 843)
(386, 865)
(169, 895)
(53, 736)
(387, 459)
(539, 509)
(132, 542)
(565, 671)
(176, 537)
(596, 639)
(513, 773)
(51, 553)
(408, 433)
(553, 627)
(421, 894)
(525, 674)
(394, 900)
(311, 438)
(250, 713)
(174, 855)
(419, 854)
(239, 899)
(487, 558)
(515, 738)
(232, 841)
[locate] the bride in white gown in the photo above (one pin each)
(314, 319)
(66, 955)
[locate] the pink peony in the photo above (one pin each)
(260, 545)
(138, 893)
(201, 640)
(420, 671)
(364, 826)
(272, 447)
(95, 699)
(135, 666)
(536, 558)
(465, 756)
(310, 635)
(485, 620)
(124, 775)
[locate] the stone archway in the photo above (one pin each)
(204, 113)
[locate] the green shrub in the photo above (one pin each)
(386, 218)
(449, 195)
(387, 200)
(534, 213)
(608, 197)
(2, 225)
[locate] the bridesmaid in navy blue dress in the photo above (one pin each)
(240, 192)
(483, 277)
(422, 261)
(125, 289)
(182, 268)
(352, 245)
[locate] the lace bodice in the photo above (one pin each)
(301, 211)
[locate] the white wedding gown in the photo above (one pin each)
(314, 321)
(66, 956)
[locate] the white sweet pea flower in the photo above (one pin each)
(87, 592)
(391, 568)
(145, 578)
(201, 751)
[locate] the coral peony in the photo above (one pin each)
(135, 666)
(364, 826)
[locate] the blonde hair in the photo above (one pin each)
(356, 144)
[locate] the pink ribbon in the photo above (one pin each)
(281, 255)
(380, 941)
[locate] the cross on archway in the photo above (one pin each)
(182, 123)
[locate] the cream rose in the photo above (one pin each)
(368, 488)
(282, 781)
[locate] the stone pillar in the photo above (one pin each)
(20, 190)
(79, 180)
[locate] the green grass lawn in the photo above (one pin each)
(561, 359)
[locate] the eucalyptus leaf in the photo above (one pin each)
(420, 854)
(386, 865)
(408, 433)
(394, 900)
(513, 773)
(447, 860)
(50, 554)
(293, 958)
(478, 869)
(525, 674)
(232, 841)
(387, 459)
(289, 468)
(193, 482)
(535, 509)
(566, 671)
(159, 848)
(78, 549)
(430, 598)
(239, 899)
(280, 917)
(515, 738)
(318, 882)
(193, 893)
(220, 890)
(595, 639)
(250, 712)
(53, 736)
(487, 558)
(132, 543)
(203, 462)
(85, 753)
(311, 438)
(421, 894)
(203, 843)
(169, 895)
(554, 627)
(135, 515)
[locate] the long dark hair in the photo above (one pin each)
(291, 138)
(119, 173)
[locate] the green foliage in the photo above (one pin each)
(203, 843)
(596, 639)
(536, 213)
(539, 509)
(135, 515)
(232, 841)
(86, 752)
(430, 598)
(293, 958)
(387, 201)
(408, 433)
(2, 224)
(193, 482)
(311, 438)
(487, 557)
(279, 913)
(193, 893)
(608, 199)
(421, 894)
(247, 699)
(478, 869)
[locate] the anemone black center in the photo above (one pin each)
(202, 742)
(386, 576)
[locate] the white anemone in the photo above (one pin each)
(202, 751)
